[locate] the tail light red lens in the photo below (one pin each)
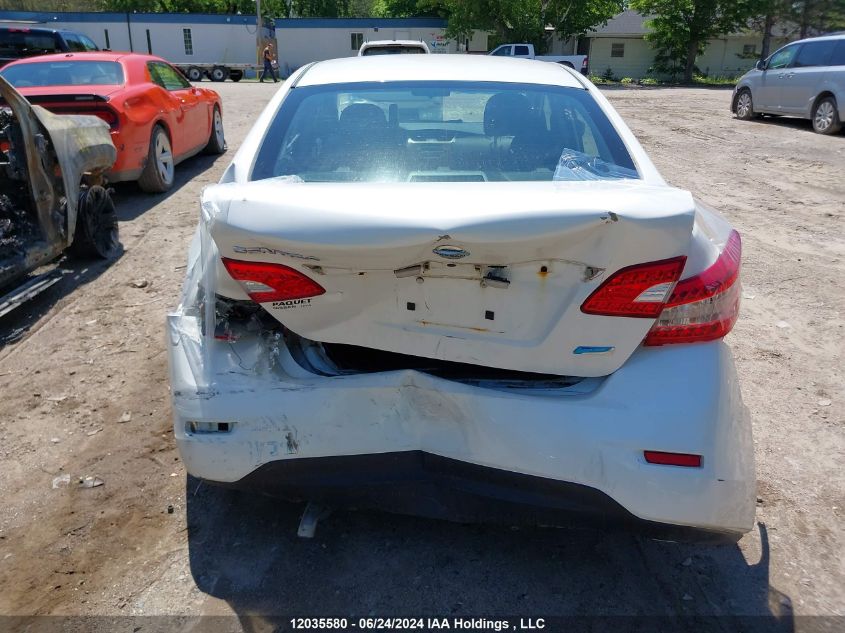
(673, 459)
(703, 307)
(636, 291)
(109, 116)
(265, 282)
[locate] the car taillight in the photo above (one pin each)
(584, 63)
(107, 115)
(673, 459)
(703, 307)
(265, 282)
(636, 291)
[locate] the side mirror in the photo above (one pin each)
(761, 64)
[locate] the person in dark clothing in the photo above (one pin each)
(268, 64)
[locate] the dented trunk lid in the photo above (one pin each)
(491, 274)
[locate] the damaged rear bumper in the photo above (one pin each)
(247, 414)
(428, 485)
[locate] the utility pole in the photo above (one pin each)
(258, 32)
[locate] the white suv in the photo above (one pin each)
(804, 79)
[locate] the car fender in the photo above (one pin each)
(828, 84)
(743, 83)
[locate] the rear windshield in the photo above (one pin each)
(23, 43)
(64, 73)
(393, 50)
(441, 131)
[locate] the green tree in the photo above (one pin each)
(680, 29)
(815, 17)
(528, 20)
(409, 8)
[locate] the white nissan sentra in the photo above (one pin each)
(456, 286)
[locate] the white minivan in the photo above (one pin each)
(804, 79)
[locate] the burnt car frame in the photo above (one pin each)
(52, 194)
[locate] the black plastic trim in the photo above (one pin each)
(428, 485)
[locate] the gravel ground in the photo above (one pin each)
(92, 350)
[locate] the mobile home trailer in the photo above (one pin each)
(216, 46)
(304, 40)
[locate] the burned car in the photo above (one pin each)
(457, 286)
(52, 194)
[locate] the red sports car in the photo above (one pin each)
(157, 118)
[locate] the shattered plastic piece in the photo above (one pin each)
(748, 295)
(56, 398)
(574, 165)
(90, 482)
(139, 283)
(127, 415)
(170, 508)
(825, 402)
(782, 324)
(55, 440)
(94, 432)
(61, 480)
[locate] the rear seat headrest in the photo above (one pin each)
(363, 115)
(506, 114)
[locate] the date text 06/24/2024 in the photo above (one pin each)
(418, 624)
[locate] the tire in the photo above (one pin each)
(826, 117)
(219, 73)
(217, 139)
(158, 174)
(194, 73)
(745, 105)
(236, 75)
(96, 235)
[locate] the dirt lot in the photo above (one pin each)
(93, 349)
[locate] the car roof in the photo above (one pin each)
(393, 43)
(826, 36)
(438, 67)
(95, 56)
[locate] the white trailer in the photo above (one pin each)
(201, 45)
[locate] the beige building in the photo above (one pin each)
(620, 45)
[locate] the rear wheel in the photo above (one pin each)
(236, 75)
(219, 73)
(96, 234)
(745, 105)
(158, 174)
(217, 140)
(194, 73)
(826, 117)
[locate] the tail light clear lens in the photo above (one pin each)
(636, 291)
(265, 282)
(703, 307)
